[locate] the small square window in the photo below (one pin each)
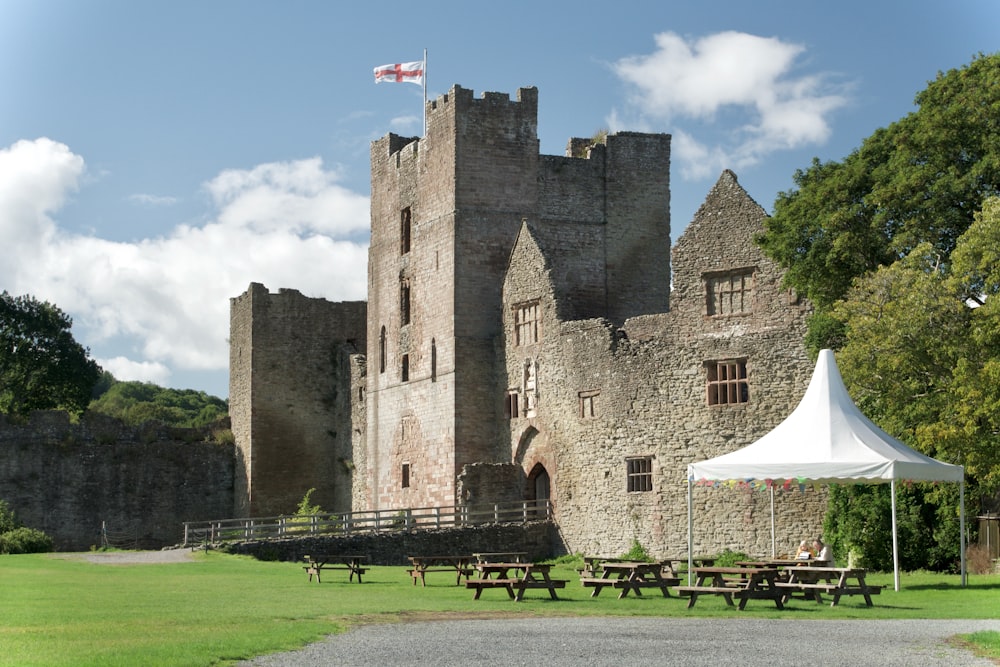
(726, 382)
(729, 293)
(640, 473)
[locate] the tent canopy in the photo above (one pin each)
(826, 439)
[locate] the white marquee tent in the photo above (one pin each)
(828, 439)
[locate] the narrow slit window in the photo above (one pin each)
(405, 228)
(404, 301)
(512, 404)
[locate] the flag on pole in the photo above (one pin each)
(401, 73)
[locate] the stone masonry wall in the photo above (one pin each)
(143, 483)
(645, 397)
(290, 385)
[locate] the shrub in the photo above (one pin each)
(25, 541)
(978, 560)
(637, 553)
(7, 520)
(729, 558)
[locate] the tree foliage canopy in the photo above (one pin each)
(137, 402)
(897, 247)
(921, 180)
(42, 367)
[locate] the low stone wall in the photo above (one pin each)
(538, 539)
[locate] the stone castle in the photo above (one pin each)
(529, 335)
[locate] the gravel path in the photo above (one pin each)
(613, 642)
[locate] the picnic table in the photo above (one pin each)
(745, 583)
(500, 556)
(628, 576)
(525, 576)
(355, 564)
(460, 565)
(812, 582)
(783, 562)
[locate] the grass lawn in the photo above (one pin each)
(62, 610)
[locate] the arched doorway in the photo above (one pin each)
(538, 487)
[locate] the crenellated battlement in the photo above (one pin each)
(463, 98)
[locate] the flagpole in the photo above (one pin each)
(425, 92)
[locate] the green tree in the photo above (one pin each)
(920, 180)
(41, 366)
(137, 402)
(922, 349)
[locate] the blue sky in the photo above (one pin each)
(157, 157)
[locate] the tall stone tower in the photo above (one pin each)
(293, 361)
(445, 212)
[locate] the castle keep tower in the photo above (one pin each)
(445, 212)
(292, 361)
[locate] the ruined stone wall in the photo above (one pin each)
(606, 395)
(290, 385)
(142, 483)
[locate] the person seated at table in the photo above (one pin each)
(804, 552)
(824, 553)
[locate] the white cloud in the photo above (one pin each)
(127, 370)
(706, 82)
(166, 299)
(36, 178)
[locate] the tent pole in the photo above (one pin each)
(774, 554)
(961, 524)
(895, 544)
(690, 530)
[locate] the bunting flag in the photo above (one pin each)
(401, 73)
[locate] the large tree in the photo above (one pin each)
(920, 180)
(41, 364)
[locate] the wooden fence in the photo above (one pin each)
(347, 523)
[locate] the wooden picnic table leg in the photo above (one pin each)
(658, 578)
(719, 581)
(548, 583)
(626, 580)
(864, 590)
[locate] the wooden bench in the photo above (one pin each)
(600, 582)
(458, 565)
(419, 573)
(535, 576)
(743, 583)
(813, 582)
